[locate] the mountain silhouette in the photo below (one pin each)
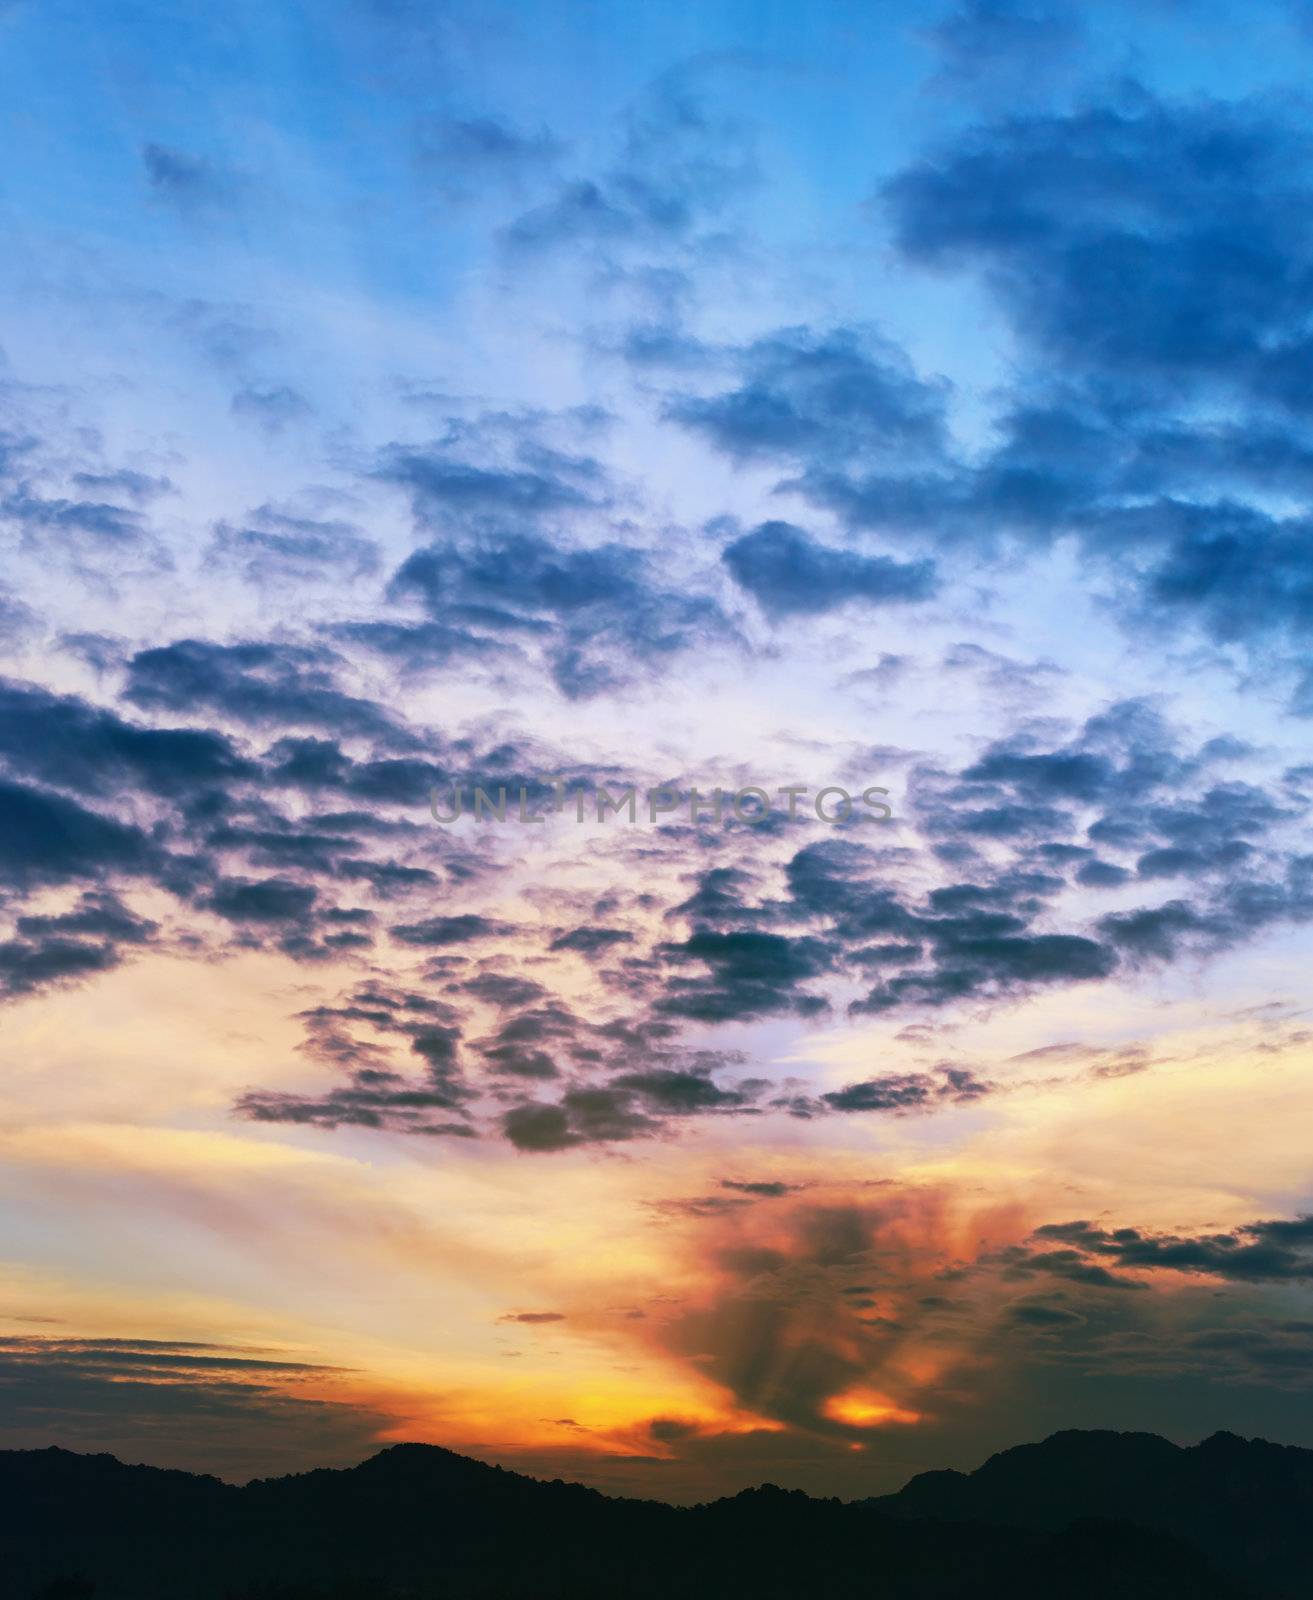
(1246, 1504)
(1080, 1516)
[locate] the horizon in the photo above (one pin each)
(402, 1445)
(655, 704)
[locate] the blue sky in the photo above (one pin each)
(396, 396)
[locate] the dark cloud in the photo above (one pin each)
(1003, 832)
(601, 611)
(750, 974)
(1040, 1314)
(908, 1091)
(372, 1098)
(97, 915)
(314, 764)
(592, 941)
(447, 487)
(760, 1188)
(982, 961)
(67, 742)
(457, 929)
(522, 557)
(1156, 293)
(43, 521)
(1271, 1251)
(376, 1095)
(582, 1116)
(680, 1092)
(46, 839)
(1241, 573)
(1141, 247)
(30, 965)
(273, 547)
(808, 397)
(720, 897)
(1140, 238)
(814, 1303)
(197, 803)
(986, 917)
(263, 900)
(789, 574)
(210, 1407)
(17, 620)
(140, 487)
(503, 989)
(260, 684)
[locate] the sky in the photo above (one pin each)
(400, 398)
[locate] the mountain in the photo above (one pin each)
(1246, 1504)
(1081, 1516)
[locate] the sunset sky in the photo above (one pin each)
(398, 395)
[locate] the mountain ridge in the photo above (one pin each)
(1079, 1513)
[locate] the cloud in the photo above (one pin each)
(443, 486)
(469, 156)
(213, 1407)
(271, 409)
(1156, 300)
(749, 974)
(679, 1092)
(1138, 246)
(602, 613)
(790, 574)
(985, 918)
(459, 928)
(273, 547)
(582, 1116)
(521, 556)
(27, 966)
(16, 618)
(1004, 50)
(760, 1188)
(1138, 238)
(433, 1104)
(190, 184)
(202, 809)
(141, 487)
(1241, 574)
(265, 900)
(257, 683)
(678, 167)
(908, 1091)
(67, 742)
(98, 914)
(592, 941)
(96, 522)
(807, 396)
(910, 1313)
(1258, 1252)
(372, 1098)
(46, 838)
(1010, 830)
